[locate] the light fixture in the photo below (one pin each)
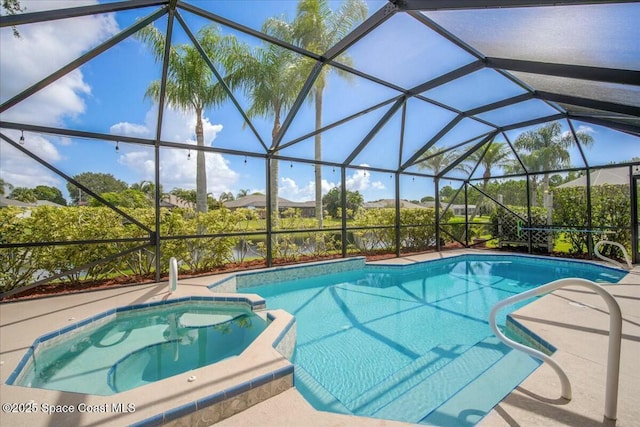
(189, 155)
(245, 160)
(22, 137)
(117, 146)
(291, 165)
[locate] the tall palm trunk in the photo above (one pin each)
(534, 192)
(275, 170)
(547, 202)
(318, 156)
(201, 187)
(201, 170)
(545, 181)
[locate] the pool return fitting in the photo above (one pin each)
(173, 274)
(615, 338)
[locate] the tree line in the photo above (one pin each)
(113, 190)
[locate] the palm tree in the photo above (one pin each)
(436, 159)
(190, 84)
(317, 28)
(545, 149)
(271, 78)
(226, 197)
(146, 187)
(13, 7)
(496, 155)
(243, 192)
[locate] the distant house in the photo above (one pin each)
(611, 176)
(26, 213)
(457, 210)
(259, 201)
(4, 202)
(173, 201)
(391, 203)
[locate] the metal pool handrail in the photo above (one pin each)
(173, 274)
(602, 257)
(615, 338)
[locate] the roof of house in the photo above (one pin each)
(390, 203)
(5, 202)
(259, 201)
(173, 201)
(611, 176)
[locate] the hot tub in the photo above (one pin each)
(132, 346)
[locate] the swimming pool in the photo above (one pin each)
(412, 343)
(133, 346)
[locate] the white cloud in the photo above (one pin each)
(138, 130)
(42, 49)
(176, 169)
(19, 170)
(65, 141)
(130, 129)
(177, 126)
(327, 186)
(585, 129)
(377, 185)
(581, 129)
(360, 180)
(138, 159)
(289, 189)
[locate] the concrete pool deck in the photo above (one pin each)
(574, 320)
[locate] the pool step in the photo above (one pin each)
(318, 396)
(419, 401)
(404, 379)
(472, 403)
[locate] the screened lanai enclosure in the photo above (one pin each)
(244, 134)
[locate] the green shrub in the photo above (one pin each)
(417, 231)
(611, 207)
(570, 209)
(18, 266)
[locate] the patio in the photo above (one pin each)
(307, 131)
(575, 321)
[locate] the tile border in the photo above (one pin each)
(248, 279)
(519, 332)
(218, 399)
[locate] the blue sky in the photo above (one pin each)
(107, 95)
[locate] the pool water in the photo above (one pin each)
(413, 343)
(138, 347)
